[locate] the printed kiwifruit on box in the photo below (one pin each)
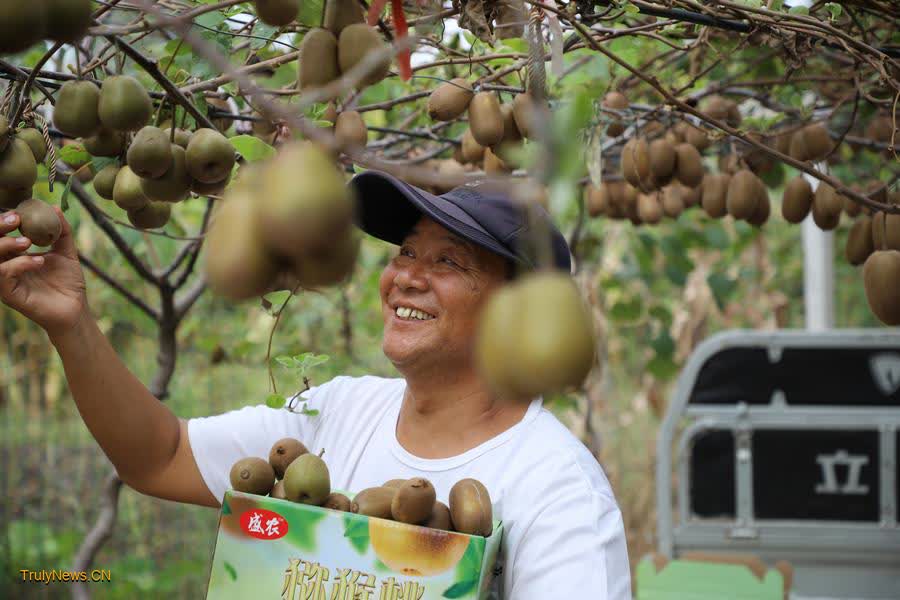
(267, 548)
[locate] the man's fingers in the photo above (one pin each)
(10, 246)
(20, 265)
(65, 245)
(9, 221)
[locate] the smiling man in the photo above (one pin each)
(563, 531)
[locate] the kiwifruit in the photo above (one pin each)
(527, 111)
(696, 137)
(306, 480)
(152, 216)
(277, 13)
(124, 104)
(756, 160)
(493, 164)
(330, 113)
(127, 192)
(350, 130)
(827, 207)
(393, 483)
(636, 163)
(816, 140)
(330, 265)
(796, 200)
(220, 104)
(454, 171)
(470, 508)
(414, 501)
(106, 142)
(852, 208)
(730, 163)
(763, 206)
(486, 119)
(450, 99)
(68, 20)
(374, 502)
(35, 141)
(39, 222)
(886, 231)
(17, 166)
(4, 133)
(209, 156)
(722, 109)
(182, 136)
(11, 197)
(596, 199)
(881, 129)
(304, 202)
(210, 189)
(105, 181)
(781, 140)
(859, 242)
(355, 43)
(881, 274)
(713, 192)
(690, 195)
(338, 501)
(22, 24)
(76, 113)
(742, 197)
(688, 165)
(150, 153)
(252, 475)
(522, 354)
(440, 517)
(341, 13)
(278, 491)
(318, 63)
(662, 159)
(671, 200)
(175, 184)
(471, 150)
(617, 101)
(649, 209)
(283, 453)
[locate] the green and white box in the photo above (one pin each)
(271, 549)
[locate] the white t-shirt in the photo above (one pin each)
(563, 534)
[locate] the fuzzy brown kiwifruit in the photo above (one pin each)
(881, 276)
(635, 163)
(393, 483)
(713, 191)
(859, 242)
(450, 99)
(318, 64)
(596, 199)
(152, 216)
(528, 112)
(690, 195)
(796, 200)
(649, 210)
(374, 502)
(11, 197)
(35, 141)
(440, 517)
(306, 480)
(350, 131)
(67, 20)
(355, 43)
(341, 13)
(330, 265)
(743, 194)
(886, 231)
(817, 141)
(278, 491)
(662, 160)
(470, 149)
(827, 207)
(124, 104)
(757, 160)
(181, 138)
(105, 142)
(730, 163)
(493, 164)
(486, 119)
(688, 165)
(127, 192)
(617, 101)
(277, 13)
(881, 129)
(722, 109)
(105, 181)
(763, 206)
(338, 501)
(150, 153)
(671, 199)
(283, 453)
(22, 24)
(209, 156)
(76, 112)
(696, 137)
(470, 508)
(252, 475)
(18, 169)
(414, 501)
(39, 222)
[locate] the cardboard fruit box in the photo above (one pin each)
(271, 549)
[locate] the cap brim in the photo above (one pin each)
(388, 208)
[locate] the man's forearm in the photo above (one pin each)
(138, 433)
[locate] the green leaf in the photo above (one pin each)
(662, 367)
(632, 9)
(286, 361)
(232, 572)
(626, 311)
(776, 5)
(252, 148)
(276, 299)
(310, 13)
(98, 163)
(64, 199)
(356, 530)
(722, 287)
(835, 9)
(275, 401)
(74, 155)
(302, 529)
(309, 412)
(460, 589)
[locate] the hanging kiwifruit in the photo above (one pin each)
(713, 192)
(471, 150)
(355, 43)
(374, 502)
(671, 200)
(722, 109)
(527, 111)
(209, 156)
(328, 266)
(152, 216)
(688, 165)
(341, 13)
(662, 160)
(511, 143)
(758, 161)
(318, 63)
(440, 517)
(350, 131)
(471, 511)
(283, 453)
(649, 209)
(493, 164)
(11, 197)
(881, 276)
(17, 166)
(4, 133)
(414, 501)
(306, 480)
(182, 137)
(816, 141)
(616, 101)
(76, 113)
(174, 185)
(450, 99)
(696, 137)
(486, 118)
(886, 231)
(859, 242)
(39, 222)
(827, 207)
(338, 501)
(763, 206)
(127, 191)
(881, 129)
(277, 13)
(150, 153)
(106, 142)
(210, 189)
(690, 195)
(452, 170)
(743, 194)
(124, 104)
(35, 141)
(252, 475)
(596, 199)
(22, 24)
(796, 200)
(67, 20)
(635, 163)
(105, 181)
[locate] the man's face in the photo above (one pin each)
(448, 279)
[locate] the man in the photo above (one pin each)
(563, 531)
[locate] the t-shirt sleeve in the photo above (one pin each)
(219, 441)
(574, 546)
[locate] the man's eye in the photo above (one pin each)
(449, 261)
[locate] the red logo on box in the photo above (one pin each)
(263, 524)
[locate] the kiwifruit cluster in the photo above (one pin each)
(535, 336)
(616, 101)
(292, 473)
(652, 165)
(291, 214)
(23, 24)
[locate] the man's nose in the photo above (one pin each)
(412, 275)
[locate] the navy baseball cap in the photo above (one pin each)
(388, 208)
